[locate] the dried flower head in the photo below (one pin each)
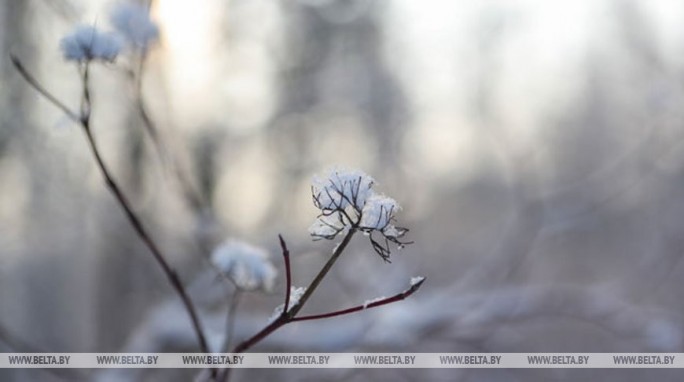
(133, 22)
(246, 265)
(341, 189)
(347, 200)
(378, 212)
(87, 43)
(327, 226)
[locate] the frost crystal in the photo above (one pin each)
(368, 302)
(416, 280)
(246, 265)
(295, 295)
(341, 189)
(133, 22)
(393, 232)
(327, 227)
(378, 212)
(86, 43)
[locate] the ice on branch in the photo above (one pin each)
(296, 294)
(133, 22)
(417, 280)
(347, 201)
(246, 265)
(87, 43)
(340, 189)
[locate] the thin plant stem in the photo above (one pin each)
(230, 330)
(230, 318)
(38, 87)
(322, 273)
(151, 245)
(375, 304)
(286, 316)
(84, 120)
(190, 193)
(288, 273)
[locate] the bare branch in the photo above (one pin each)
(44, 92)
(288, 273)
(84, 121)
(384, 301)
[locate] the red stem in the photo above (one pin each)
(288, 273)
(384, 301)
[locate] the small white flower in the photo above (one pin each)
(246, 265)
(341, 188)
(87, 43)
(133, 22)
(378, 213)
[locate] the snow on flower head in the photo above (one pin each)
(246, 265)
(133, 22)
(327, 226)
(378, 212)
(340, 189)
(347, 201)
(87, 43)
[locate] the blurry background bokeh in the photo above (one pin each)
(537, 149)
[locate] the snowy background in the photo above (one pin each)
(535, 147)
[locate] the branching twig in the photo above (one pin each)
(288, 314)
(32, 81)
(84, 121)
(384, 301)
(322, 273)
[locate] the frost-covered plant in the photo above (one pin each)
(347, 201)
(348, 204)
(87, 43)
(133, 22)
(246, 265)
(342, 189)
(85, 46)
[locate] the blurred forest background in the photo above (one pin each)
(537, 148)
